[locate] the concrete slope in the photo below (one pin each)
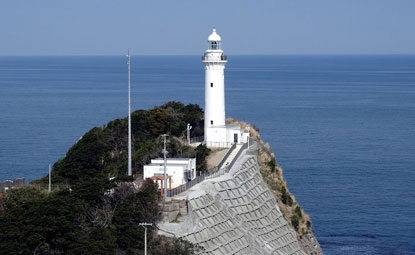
(236, 214)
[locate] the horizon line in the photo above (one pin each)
(260, 54)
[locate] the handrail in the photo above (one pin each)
(219, 144)
(222, 58)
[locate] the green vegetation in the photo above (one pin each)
(298, 212)
(63, 223)
(295, 222)
(102, 150)
(201, 154)
(296, 218)
(308, 224)
(92, 213)
(176, 219)
(285, 197)
(272, 165)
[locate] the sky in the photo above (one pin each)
(181, 27)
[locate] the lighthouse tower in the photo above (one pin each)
(214, 62)
(217, 133)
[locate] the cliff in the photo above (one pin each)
(244, 208)
(272, 175)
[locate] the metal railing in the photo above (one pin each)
(223, 57)
(197, 139)
(203, 176)
(217, 173)
(219, 144)
(186, 186)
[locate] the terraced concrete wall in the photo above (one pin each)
(237, 214)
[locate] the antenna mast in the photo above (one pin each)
(129, 117)
(50, 179)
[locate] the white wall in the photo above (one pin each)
(175, 167)
(214, 96)
(175, 171)
(217, 137)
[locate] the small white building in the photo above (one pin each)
(181, 170)
(217, 133)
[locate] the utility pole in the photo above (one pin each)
(50, 178)
(188, 133)
(129, 117)
(144, 225)
(165, 166)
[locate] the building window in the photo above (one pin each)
(211, 122)
(211, 84)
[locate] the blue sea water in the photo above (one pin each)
(342, 127)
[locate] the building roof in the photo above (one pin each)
(233, 126)
(214, 36)
(161, 164)
(173, 159)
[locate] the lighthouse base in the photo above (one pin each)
(224, 136)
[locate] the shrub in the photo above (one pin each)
(298, 212)
(272, 165)
(285, 197)
(295, 222)
(201, 154)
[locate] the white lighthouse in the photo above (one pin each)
(217, 133)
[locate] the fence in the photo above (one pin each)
(197, 139)
(186, 186)
(219, 144)
(199, 179)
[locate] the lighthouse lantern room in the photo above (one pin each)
(217, 133)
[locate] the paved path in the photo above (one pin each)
(232, 155)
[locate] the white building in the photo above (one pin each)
(217, 133)
(181, 170)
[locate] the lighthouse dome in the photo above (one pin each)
(214, 36)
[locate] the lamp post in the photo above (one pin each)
(145, 225)
(188, 133)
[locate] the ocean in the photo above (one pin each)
(342, 127)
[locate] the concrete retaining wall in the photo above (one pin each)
(236, 214)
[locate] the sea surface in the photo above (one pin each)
(342, 127)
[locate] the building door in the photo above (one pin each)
(235, 138)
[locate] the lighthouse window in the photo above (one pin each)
(211, 122)
(213, 46)
(211, 84)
